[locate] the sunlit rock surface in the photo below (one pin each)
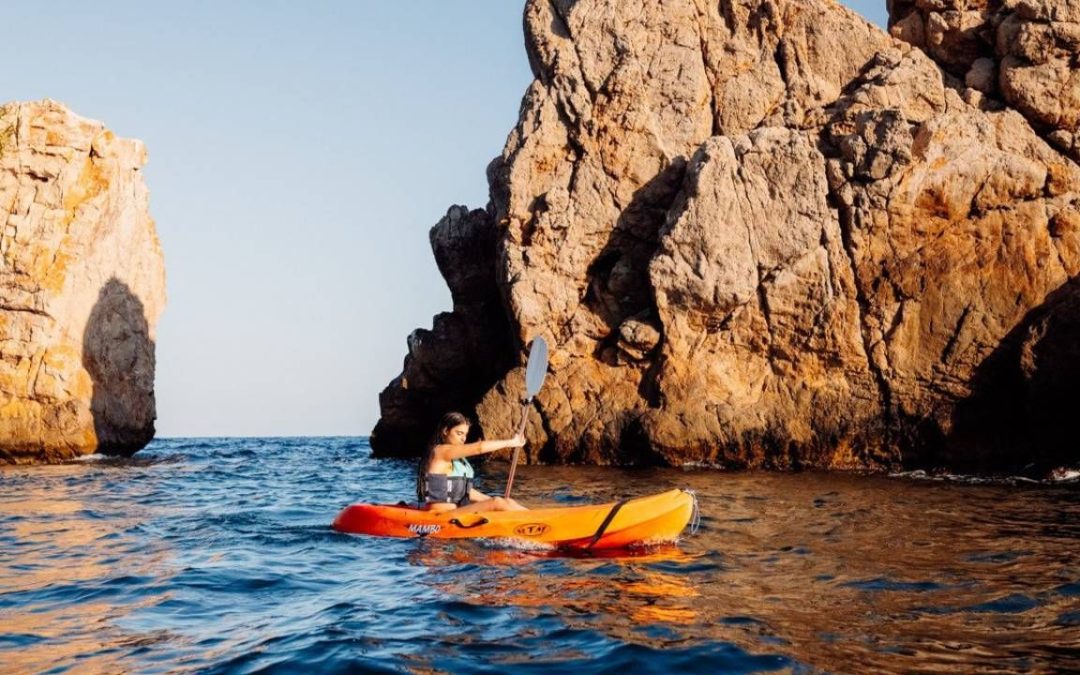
(1022, 52)
(767, 233)
(82, 283)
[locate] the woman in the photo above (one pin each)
(444, 476)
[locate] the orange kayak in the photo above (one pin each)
(642, 521)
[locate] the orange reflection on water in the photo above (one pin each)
(619, 590)
(840, 572)
(65, 552)
(83, 636)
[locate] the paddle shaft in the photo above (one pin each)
(514, 461)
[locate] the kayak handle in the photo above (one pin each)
(455, 521)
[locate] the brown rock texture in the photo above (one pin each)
(764, 233)
(82, 283)
(1023, 52)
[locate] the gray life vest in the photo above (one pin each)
(449, 488)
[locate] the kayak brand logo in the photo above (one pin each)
(531, 529)
(424, 529)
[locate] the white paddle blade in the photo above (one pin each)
(537, 368)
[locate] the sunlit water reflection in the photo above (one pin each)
(216, 555)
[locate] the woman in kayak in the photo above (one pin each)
(444, 476)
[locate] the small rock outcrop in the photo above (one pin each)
(466, 351)
(765, 233)
(82, 283)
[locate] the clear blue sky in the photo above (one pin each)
(299, 153)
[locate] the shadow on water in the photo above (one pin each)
(119, 356)
(1020, 415)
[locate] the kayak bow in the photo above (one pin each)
(642, 521)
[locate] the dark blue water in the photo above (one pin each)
(216, 556)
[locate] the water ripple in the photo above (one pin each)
(215, 555)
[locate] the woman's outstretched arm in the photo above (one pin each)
(448, 452)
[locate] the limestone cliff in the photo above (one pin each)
(766, 233)
(82, 283)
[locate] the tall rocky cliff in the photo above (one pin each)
(82, 283)
(767, 233)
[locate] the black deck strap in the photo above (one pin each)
(607, 521)
(482, 521)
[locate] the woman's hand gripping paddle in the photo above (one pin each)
(535, 372)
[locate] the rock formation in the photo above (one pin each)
(82, 283)
(766, 233)
(450, 366)
(1024, 52)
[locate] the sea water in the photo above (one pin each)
(216, 555)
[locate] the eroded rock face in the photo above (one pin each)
(1023, 52)
(764, 233)
(949, 212)
(762, 346)
(82, 283)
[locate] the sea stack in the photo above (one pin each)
(766, 233)
(82, 284)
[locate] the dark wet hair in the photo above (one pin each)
(448, 422)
